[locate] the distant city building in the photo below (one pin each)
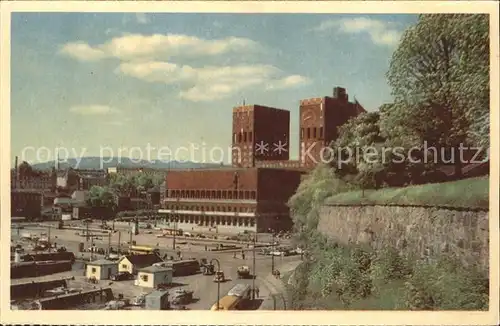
(26, 203)
(135, 171)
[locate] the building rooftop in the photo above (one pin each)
(157, 294)
(101, 262)
(250, 107)
(143, 260)
(155, 269)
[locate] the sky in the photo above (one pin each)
(151, 84)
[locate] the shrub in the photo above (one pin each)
(446, 285)
(388, 265)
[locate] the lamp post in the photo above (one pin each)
(272, 250)
(218, 283)
(175, 231)
(254, 273)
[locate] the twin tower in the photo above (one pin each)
(261, 134)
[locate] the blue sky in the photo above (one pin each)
(89, 81)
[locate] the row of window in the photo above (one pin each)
(243, 137)
(216, 220)
(209, 208)
(311, 133)
(213, 194)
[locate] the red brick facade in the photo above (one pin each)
(252, 197)
(254, 193)
(256, 125)
(319, 122)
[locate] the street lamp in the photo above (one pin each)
(254, 272)
(218, 283)
(272, 250)
(175, 231)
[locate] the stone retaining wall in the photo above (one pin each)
(424, 231)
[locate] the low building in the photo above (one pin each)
(132, 263)
(26, 203)
(157, 300)
(230, 200)
(101, 269)
(152, 276)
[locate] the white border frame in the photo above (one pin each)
(242, 317)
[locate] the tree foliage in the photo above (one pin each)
(439, 77)
(129, 185)
(357, 150)
(101, 197)
(320, 184)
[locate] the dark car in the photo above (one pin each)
(122, 276)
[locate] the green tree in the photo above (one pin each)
(439, 76)
(319, 184)
(101, 197)
(122, 185)
(358, 152)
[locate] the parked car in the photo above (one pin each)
(219, 277)
(122, 276)
(181, 297)
(139, 300)
(243, 272)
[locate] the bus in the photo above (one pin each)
(242, 291)
(185, 267)
(139, 250)
(228, 302)
(168, 231)
(236, 299)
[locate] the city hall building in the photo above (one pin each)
(253, 194)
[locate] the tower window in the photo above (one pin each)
(314, 132)
(301, 133)
(308, 133)
(250, 136)
(244, 137)
(321, 132)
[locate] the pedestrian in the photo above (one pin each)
(234, 255)
(257, 292)
(243, 255)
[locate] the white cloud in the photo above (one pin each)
(142, 18)
(82, 51)
(151, 58)
(211, 82)
(93, 110)
(137, 46)
(380, 32)
(289, 82)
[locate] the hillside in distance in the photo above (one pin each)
(106, 162)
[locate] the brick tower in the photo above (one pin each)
(319, 121)
(260, 133)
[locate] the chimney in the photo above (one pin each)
(16, 171)
(56, 163)
(340, 93)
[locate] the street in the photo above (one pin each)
(205, 290)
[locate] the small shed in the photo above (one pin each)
(132, 263)
(153, 276)
(157, 300)
(101, 269)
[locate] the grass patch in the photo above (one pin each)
(469, 193)
(352, 278)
